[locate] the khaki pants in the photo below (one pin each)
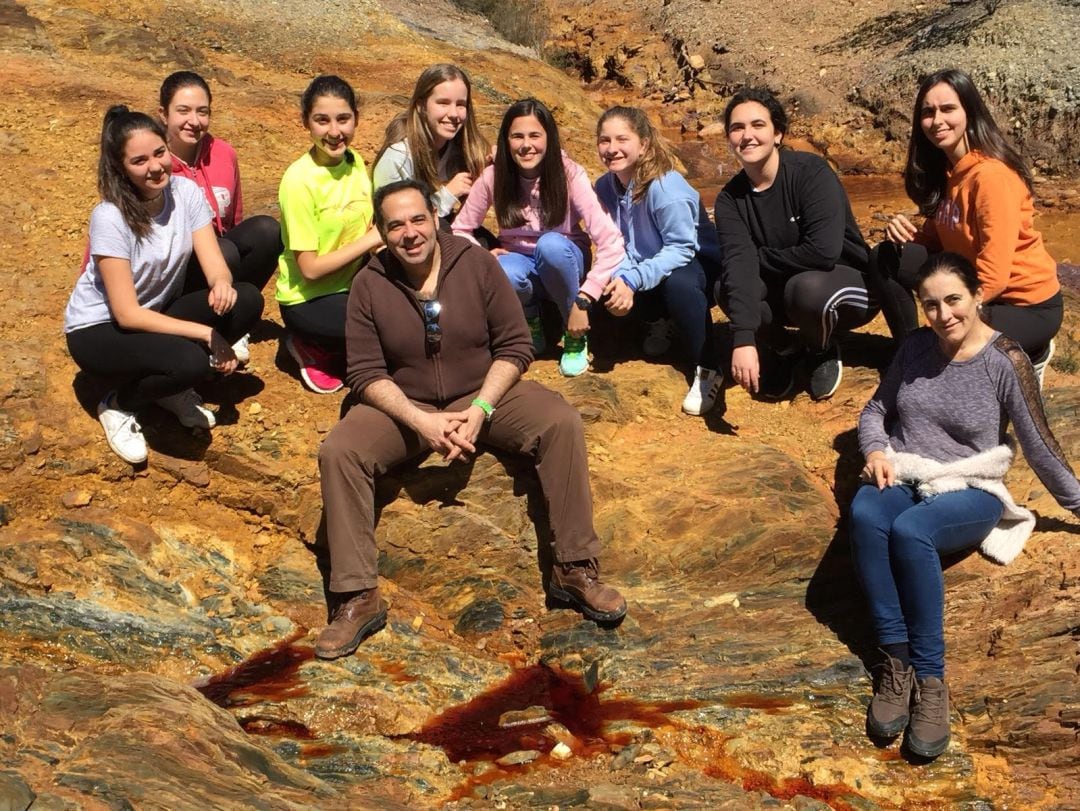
(529, 419)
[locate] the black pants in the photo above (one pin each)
(817, 302)
(251, 250)
(150, 365)
(684, 298)
(321, 320)
(892, 274)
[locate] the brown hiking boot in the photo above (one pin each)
(578, 583)
(354, 619)
(928, 732)
(887, 714)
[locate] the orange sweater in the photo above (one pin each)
(987, 215)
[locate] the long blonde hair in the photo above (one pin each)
(472, 148)
(656, 160)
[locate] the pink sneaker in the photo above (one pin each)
(318, 367)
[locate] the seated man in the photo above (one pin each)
(436, 344)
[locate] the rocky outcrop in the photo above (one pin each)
(157, 623)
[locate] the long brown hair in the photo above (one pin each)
(925, 172)
(114, 185)
(656, 159)
(472, 147)
(553, 190)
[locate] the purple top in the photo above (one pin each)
(948, 410)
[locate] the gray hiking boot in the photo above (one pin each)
(928, 732)
(887, 714)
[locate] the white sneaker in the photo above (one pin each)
(122, 431)
(657, 337)
(188, 408)
(703, 392)
(243, 352)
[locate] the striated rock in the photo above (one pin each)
(15, 795)
(156, 645)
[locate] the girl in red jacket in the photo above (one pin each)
(250, 246)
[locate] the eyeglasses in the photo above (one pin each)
(432, 331)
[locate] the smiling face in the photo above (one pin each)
(751, 135)
(331, 124)
(409, 227)
(620, 148)
(147, 163)
(187, 118)
(950, 308)
(445, 110)
(944, 121)
(527, 142)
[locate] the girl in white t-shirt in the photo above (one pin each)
(126, 318)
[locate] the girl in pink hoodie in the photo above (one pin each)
(542, 199)
(250, 246)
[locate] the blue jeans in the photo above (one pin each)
(896, 539)
(554, 272)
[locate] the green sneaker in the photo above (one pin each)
(536, 329)
(575, 355)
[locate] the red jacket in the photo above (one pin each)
(216, 172)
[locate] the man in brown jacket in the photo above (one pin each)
(436, 345)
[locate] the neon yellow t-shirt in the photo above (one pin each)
(322, 209)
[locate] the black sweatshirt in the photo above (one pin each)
(802, 222)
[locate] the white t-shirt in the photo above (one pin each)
(158, 260)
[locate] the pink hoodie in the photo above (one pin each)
(582, 207)
(216, 172)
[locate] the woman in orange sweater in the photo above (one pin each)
(975, 191)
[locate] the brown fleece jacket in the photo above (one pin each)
(481, 321)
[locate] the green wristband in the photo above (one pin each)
(486, 407)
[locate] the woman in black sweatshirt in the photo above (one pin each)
(792, 255)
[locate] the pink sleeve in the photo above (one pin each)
(475, 207)
(610, 250)
(238, 208)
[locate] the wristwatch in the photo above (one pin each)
(486, 407)
(583, 303)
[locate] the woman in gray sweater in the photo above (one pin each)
(934, 440)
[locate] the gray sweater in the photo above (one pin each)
(948, 410)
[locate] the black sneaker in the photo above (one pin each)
(777, 376)
(826, 372)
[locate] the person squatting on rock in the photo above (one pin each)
(250, 246)
(325, 199)
(672, 254)
(127, 317)
(541, 198)
(976, 193)
(792, 254)
(933, 437)
(437, 344)
(440, 142)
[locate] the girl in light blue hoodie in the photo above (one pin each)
(672, 251)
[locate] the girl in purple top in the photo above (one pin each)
(933, 436)
(541, 198)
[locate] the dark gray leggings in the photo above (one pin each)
(150, 365)
(892, 274)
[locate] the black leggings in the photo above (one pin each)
(683, 296)
(151, 365)
(321, 320)
(892, 272)
(251, 250)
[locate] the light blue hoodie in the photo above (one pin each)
(663, 232)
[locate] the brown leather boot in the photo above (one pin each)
(888, 712)
(928, 732)
(354, 619)
(578, 583)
